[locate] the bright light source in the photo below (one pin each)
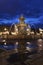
(0, 33)
(4, 40)
(28, 33)
(28, 42)
(16, 43)
(32, 32)
(16, 29)
(5, 29)
(39, 40)
(5, 43)
(28, 30)
(40, 29)
(40, 45)
(40, 32)
(13, 33)
(27, 48)
(5, 32)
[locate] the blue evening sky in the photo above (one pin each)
(10, 10)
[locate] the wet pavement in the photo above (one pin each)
(12, 55)
(21, 59)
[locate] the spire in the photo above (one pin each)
(21, 18)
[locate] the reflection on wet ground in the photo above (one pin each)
(24, 44)
(21, 52)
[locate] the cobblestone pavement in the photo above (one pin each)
(33, 59)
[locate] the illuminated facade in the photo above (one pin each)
(22, 28)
